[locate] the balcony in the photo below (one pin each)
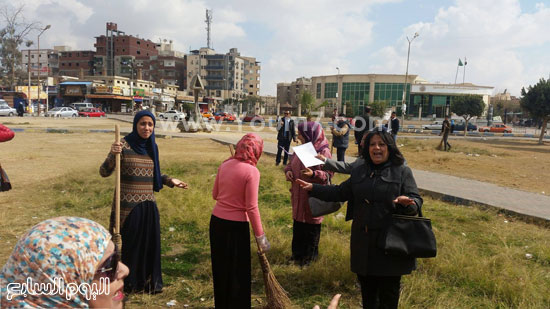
(213, 87)
(214, 57)
(214, 67)
(214, 77)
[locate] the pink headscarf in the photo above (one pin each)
(313, 132)
(249, 148)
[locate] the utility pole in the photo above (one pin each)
(403, 103)
(39, 69)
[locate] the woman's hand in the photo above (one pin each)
(116, 148)
(404, 200)
(305, 185)
(307, 172)
(178, 183)
(263, 243)
(289, 176)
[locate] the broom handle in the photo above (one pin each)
(232, 150)
(117, 187)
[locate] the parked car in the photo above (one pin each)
(172, 115)
(91, 112)
(460, 126)
(254, 118)
(62, 112)
(5, 110)
(436, 125)
(207, 115)
(81, 105)
(497, 128)
(224, 117)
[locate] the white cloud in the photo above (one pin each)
(495, 35)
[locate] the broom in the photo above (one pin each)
(117, 239)
(277, 297)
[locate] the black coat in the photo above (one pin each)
(281, 130)
(370, 193)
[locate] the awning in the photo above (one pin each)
(108, 96)
(75, 83)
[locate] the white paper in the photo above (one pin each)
(306, 153)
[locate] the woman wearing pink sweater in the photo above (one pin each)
(306, 229)
(236, 194)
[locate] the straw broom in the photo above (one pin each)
(277, 297)
(117, 239)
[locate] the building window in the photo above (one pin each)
(330, 90)
(318, 93)
(138, 42)
(392, 93)
(138, 52)
(357, 94)
(77, 64)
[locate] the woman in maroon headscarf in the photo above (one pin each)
(236, 194)
(306, 229)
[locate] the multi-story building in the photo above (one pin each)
(169, 66)
(289, 93)
(251, 76)
(355, 91)
(71, 63)
(118, 53)
(46, 63)
(225, 75)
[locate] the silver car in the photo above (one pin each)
(62, 112)
(5, 110)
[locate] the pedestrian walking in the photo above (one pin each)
(445, 130)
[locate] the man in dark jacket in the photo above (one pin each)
(394, 122)
(340, 137)
(286, 134)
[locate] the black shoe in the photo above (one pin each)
(277, 163)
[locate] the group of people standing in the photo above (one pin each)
(379, 186)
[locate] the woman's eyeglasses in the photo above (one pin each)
(110, 266)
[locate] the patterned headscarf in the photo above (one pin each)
(146, 146)
(313, 132)
(249, 149)
(67, 248)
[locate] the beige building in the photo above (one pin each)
(289, 93)
(251, 76)
(270, 104)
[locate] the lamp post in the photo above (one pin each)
(403, 103)
(39, 69)
(338, 104)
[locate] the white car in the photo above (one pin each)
(436, 125)
(5, 110)
(62, 112)
(172, 115)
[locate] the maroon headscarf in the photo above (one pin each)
(249, 148)
(313, 132)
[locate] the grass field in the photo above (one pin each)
(481, 261)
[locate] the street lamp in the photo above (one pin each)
(39, 69)
(337, 84)
(403, 103)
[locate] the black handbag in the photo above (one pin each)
(5, 184)
(410, 236)
(319, 207)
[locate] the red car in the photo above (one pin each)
(255, 118)
(91, 112)
(224, 117)
(497, 128)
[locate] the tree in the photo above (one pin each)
(306, 101)
(468, 106)
(378, 108)
(12, 35)
(536, 101)
(253, 100)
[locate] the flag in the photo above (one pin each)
(460, 62)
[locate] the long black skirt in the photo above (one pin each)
(230, 252)
(141, 249)
(305, 242)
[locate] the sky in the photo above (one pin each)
(506, 42)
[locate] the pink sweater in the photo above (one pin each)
(236, 193)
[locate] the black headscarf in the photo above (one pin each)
(146, 147)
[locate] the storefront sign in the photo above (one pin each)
(102, 89)
(139, 92)
(117, 90)
(73, 90)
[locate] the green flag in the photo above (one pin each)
(460, 62)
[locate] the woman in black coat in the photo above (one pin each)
(375, 190)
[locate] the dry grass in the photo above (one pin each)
(481, 261)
